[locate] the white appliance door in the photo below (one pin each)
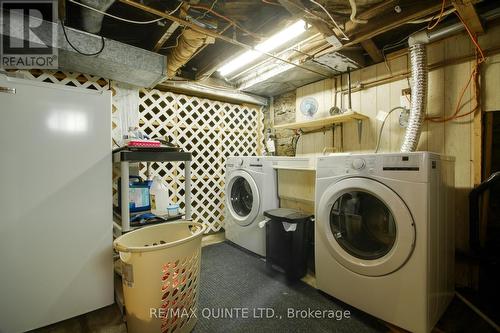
(55, 203)
(366, 226)
(242, 197)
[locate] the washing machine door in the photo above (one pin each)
(366, 226)
(242, 197)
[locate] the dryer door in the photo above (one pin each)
(366, 226)
(242, 197)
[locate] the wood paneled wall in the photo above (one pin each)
(451, 62)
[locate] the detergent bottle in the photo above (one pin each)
(159, 197)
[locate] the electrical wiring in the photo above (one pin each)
(431, 18)
(383, 123)
(121, 18)
(396, 44)
(295, 140)
(311, 58)
(176, 40)
(331, 18)
(225, 18)
(271, 3)
(77, 50)
(432, 26)
(353, 13)
(202, 16)
(184, 28)
(309, 13)
(458, 107)
(473, 38)
(474, 77)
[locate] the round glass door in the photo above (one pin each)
(242, 197)
(362, 225)
(365, 226)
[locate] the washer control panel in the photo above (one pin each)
(358, 163)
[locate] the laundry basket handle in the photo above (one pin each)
(196, 229)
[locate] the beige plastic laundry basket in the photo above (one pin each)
(160, 269)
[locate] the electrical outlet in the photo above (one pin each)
(405, 98)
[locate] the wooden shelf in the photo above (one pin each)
(324, 122)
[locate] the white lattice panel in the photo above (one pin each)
(72, 79)
(211, 131)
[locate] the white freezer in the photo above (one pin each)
(55, 203)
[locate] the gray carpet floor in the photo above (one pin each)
(237, 284)
(232, 278)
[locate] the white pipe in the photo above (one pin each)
(418, 64)
(353, 13)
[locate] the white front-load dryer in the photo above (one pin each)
(250, 190)
(384, 234)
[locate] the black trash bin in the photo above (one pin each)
(288, 250)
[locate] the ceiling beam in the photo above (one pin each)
(383, 18)
(383, 7)
(372, 50)
(212, 33)
(388, 19)
(468, 13)
(296, 8)
(201, 75)
(165, 37)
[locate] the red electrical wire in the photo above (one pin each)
(480, 58)
(429, 27)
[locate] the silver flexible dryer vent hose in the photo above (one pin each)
(418, 64)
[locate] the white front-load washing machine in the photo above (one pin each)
(250, 190)
(384, 234)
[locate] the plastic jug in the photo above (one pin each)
(159, 197)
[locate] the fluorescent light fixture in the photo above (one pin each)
(268, 45)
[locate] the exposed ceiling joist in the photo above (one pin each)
(207, 72)
(372, 12)
(164, 38)
(372, 50)
(388, 19)
(212, 33)
(468, 13)
(212, 90)
(293, 6)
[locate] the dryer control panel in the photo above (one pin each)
(401, 163)
(247, 162)
(408, 166)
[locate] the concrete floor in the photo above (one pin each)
(457, 318)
